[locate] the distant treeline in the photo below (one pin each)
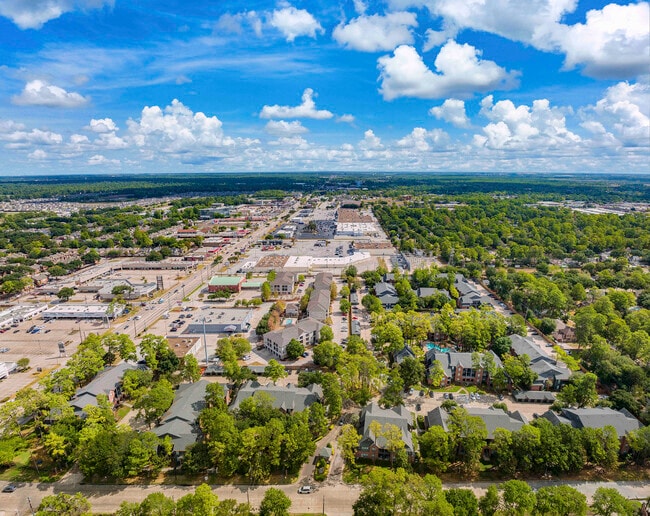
(602, 188)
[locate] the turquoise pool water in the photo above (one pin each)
(431, 345)
(288, 322)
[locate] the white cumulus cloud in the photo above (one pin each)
(524, 127)
(307, 109)
(346, 118)
(422, 140)
(370, 141)
(294, 22)
(177, 130)
(460, 72)
(103, 125)
(41, 93)
(374, 33)
(452, 111)
(37, 155)
(284, 128)
(613, 43)
(33, 14)
(624, 112)
(98, 159)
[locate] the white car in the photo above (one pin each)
(305, 489)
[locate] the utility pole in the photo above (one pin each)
(31, 508)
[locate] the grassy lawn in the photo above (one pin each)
(450, 388)
(121, 412)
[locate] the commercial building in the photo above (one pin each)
(230, 320)
(226, 283)
(122, 287)
(97, 311)
(19, 313)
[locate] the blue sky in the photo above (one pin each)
(108, 86)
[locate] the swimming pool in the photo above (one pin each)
(288, 322)
(431, 345)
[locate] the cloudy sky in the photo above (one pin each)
(116, 86)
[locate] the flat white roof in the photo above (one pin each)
(77, 309)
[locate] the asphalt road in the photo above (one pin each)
(337, 498)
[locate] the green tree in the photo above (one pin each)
(65, 293)
(518, 498)
(580, 391)
(560, 501)
(519, 371)
(501, 346)
(294, 349)
(274, 370)
(412, 372)
(318, 423)
(275, 503)
(203, 502)
(490, 501)
(266, 291)
(91, 257)
(327, 354)
(639, 441)
(434, 449)
(345, 306)
(349, 442)
(392, 395)
(152, 405)
(215, 396)
(136, 382)
(502, 452)
(157, 504)
(326, 333)
(463, 501)
(436, 373)
(607, 501)
(65, 505)
(388, 336)
(189, 369)
(467, 435)
(372, 303)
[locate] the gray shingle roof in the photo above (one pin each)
(535, 396)
(398, 416)
(544, 366)
(405, 352)
(103, 383)
(179, 422)
(284, 335)
(288, 398)
(452, 359)
(492, 417)
(596, 417)
(428, 292)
